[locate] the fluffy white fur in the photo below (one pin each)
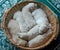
(29, 26)
(27, 15)
(14, 29)
(19, 41)
(30, 34)
(41, 19)
(19, 18)
(13, 26)
(38, 39)
(42, 25)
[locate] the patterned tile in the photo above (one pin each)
(55, 4)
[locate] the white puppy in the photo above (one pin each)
(27, 14)
(19, 18)
(14, 29)
(41, 19)
(38, 39)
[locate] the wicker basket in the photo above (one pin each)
(51, 17)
